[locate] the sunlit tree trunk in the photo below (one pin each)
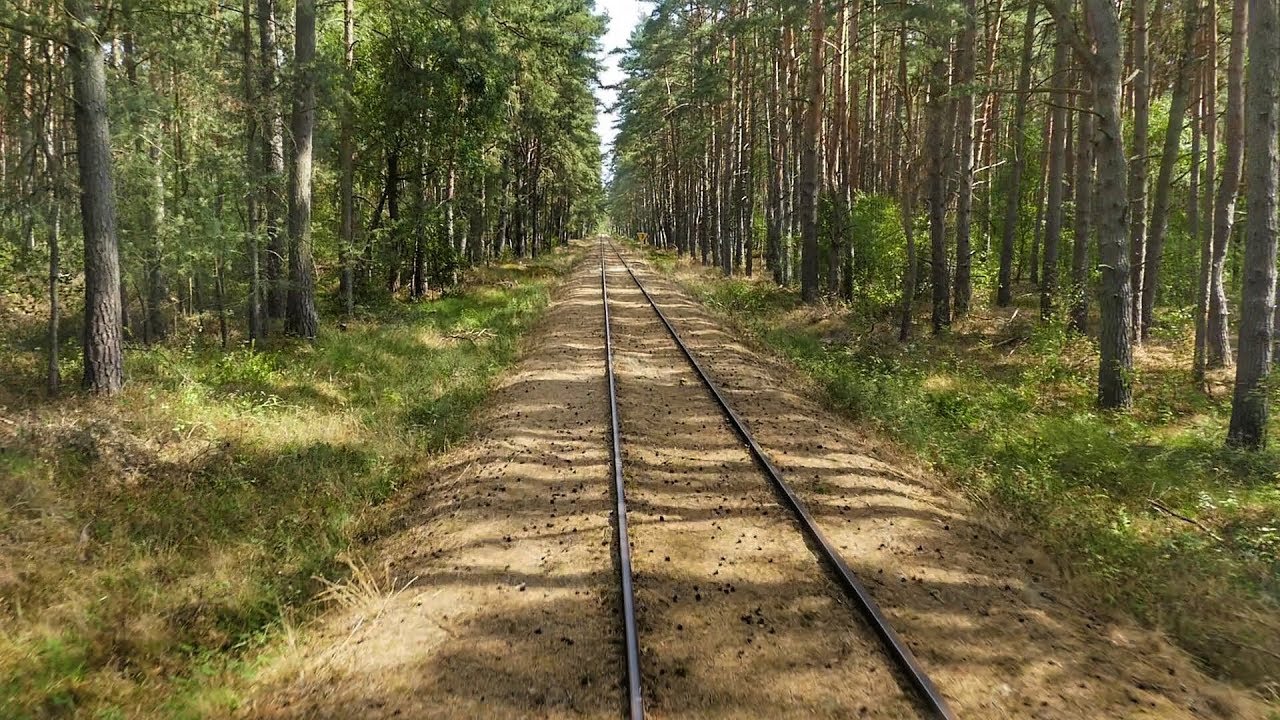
(103, 354)
(1054, 192)
(1209, 116)
(1115, 304)
(964, 130)
(273, 153)
(1004, 293)
(253, 165)
(905, 190)
(1218, 350)
(346, 189)
(1083, 220)
(301, 318)
(1138, 168)
(936, 147)
(809, 170)
(1262, 164)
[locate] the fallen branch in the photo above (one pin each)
(472, 335)
(1175, 514)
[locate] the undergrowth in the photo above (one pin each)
(1004, 406)
(154, 547)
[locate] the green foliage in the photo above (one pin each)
(879, 248)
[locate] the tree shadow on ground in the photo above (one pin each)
(511, 604)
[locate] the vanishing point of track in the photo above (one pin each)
(893, 644)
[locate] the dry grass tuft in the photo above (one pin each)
(362, 589)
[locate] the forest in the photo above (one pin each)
(1100, 153)
(227, 158)
(304, 338)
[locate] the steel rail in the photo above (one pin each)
(893, 642)
(635, 700)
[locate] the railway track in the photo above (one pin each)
(901, 657)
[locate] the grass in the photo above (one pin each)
(155, 548)
(1004, 407)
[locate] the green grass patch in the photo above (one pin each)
(1006, 410)
(154, 546)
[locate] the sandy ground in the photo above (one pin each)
(501, 597)
(505, 544)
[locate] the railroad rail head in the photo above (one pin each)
(635, 699)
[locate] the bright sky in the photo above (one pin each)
(624, 16)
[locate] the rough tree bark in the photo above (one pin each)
(964, 129)
(103, 355)
(253, 162)
(905, 189)
(273, 152)
(808, 185)
(936, 146)
(301, 318)
(1262, 107)
(1115, 304)
(346, 189)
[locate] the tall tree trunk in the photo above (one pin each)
(964, 130)
(395, 232)
(1115, 305)
(1042, 186)
(221, 300)
(103, 354)
(53, 167)
(1224, 210)
(346, 189)
(1013, 206)
(53, 376)
(1209, 116)
(157, 318)
(774, 212)
(1083, 220)
(909, 272)
(1055, 191)
(905, 192)
(417, 190)
(729, 145)
(808, 185)
(1154, 250)
(1138, 168)
(1262, 106)
(937, 148)
(301, 318)
(273, 152)
(253, 165)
